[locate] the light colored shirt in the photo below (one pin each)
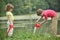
(10, 14)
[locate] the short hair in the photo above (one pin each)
(8, 7)
(39, 11)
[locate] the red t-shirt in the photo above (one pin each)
(49, 13)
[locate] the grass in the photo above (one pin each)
(23, 34)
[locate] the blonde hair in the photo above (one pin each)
(8, 7)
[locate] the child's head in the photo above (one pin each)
(9, 7)
(39, 12)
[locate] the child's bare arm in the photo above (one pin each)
(43, 22)
(39, 19)
(10, 20)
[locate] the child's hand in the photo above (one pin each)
(37, 25)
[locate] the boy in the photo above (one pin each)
(48, 14)
(9, 9)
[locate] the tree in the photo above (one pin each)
(53, 4)
(58, 3)
(29, 6)
(2, 8)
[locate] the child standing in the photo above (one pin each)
(10, 17)
(48, 14)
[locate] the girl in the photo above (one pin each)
(48, 13)
(9, 9)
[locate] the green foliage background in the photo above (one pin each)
(29, 6)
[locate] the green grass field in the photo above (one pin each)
(26, 34)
